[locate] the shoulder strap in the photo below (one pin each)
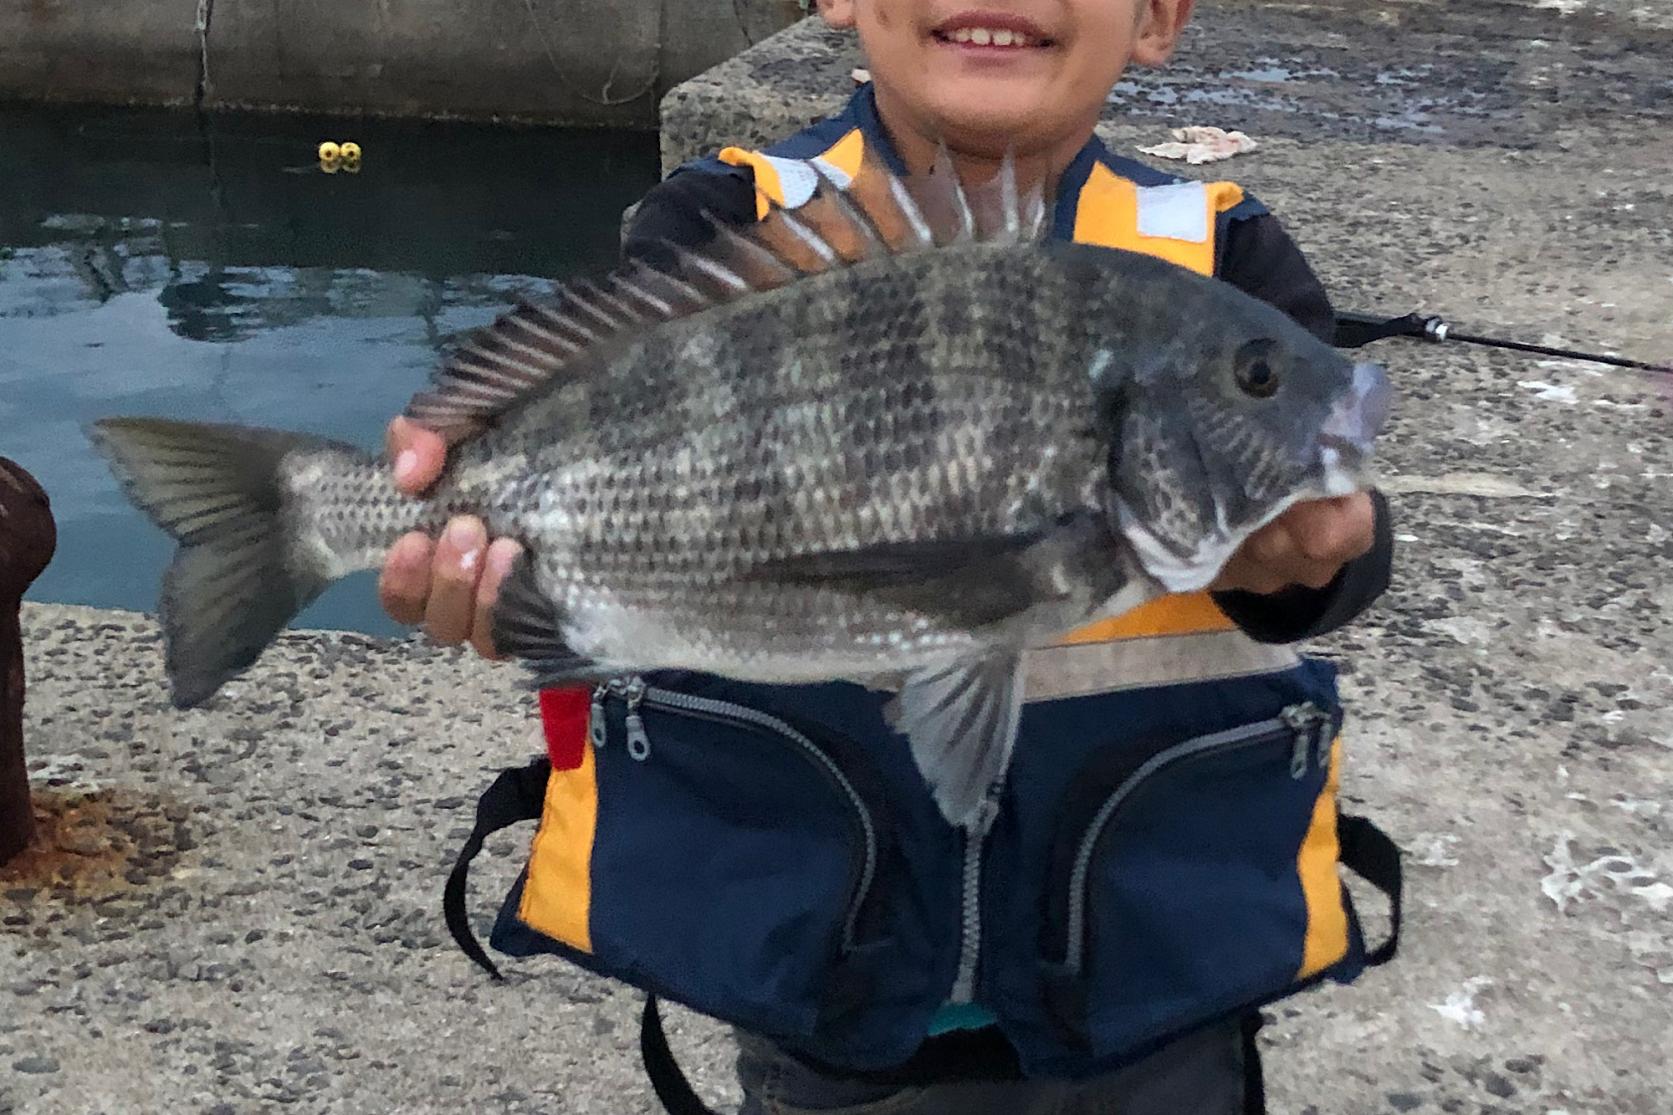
(667, 1080)
(516, 795)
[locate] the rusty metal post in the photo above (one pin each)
(27, 538)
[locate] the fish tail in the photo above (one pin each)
(242, 571)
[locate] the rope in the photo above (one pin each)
(603, 99)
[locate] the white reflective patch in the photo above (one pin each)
(798, 178)
(1084, 669)
(841, 177)
(1176, 212)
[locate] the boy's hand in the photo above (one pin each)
(448, 586)
(1306, 545)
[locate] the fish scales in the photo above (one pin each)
(654, 508)
(910, 466)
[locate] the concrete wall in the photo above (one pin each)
(557, 61)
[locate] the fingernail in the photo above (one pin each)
(501, 556)
(405, 465)
(465, 534)
(405, 555)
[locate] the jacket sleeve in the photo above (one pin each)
(673, 212)
(1259, 257)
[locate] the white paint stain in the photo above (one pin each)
(1549, 392)
(1483, 484)
(1617, 873)
(1460, 1005)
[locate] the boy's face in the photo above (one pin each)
(982, 74)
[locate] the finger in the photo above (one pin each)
(419, 454)
(1337, 530)
(1244, 573)
(404, 581)
(453, 576)
(502, 554)
(1272, 545)
(1315, 574)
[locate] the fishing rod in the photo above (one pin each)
(1354, 330)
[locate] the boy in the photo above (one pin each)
(1031, 76)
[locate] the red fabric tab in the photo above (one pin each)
(563, 713)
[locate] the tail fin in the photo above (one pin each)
(236, 580)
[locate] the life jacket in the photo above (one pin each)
(1165, 852)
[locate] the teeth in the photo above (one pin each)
(983, 36)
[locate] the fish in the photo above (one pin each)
(894, 436)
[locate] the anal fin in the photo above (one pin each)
(961, 721)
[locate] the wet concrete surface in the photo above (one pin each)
(1512, 74)
(1508, 716)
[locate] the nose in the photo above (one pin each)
(1360, 415)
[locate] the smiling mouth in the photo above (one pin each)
(995, 32)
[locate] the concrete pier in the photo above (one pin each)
(271, 932)
(601, 62)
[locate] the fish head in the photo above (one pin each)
(1223, 426)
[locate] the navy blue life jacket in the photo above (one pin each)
(1165, 853)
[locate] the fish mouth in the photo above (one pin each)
(1351, 428)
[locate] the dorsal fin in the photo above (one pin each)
(873, 215)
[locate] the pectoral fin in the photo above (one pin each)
(529, 625)
(961, 721)
(968, 583)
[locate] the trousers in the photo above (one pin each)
(1213, 1071)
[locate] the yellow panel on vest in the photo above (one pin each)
(1107, 214)
(1185, 614)
(557, 896)
(1321, 885)
(845, 154)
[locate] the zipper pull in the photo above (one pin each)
(1303, 720)
(638, 741)
(1322, 739)
(595, 718)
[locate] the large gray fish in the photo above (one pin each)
(889, 434)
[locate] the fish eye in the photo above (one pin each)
(1255, 374)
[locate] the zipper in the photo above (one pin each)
(632, 690)
(970, 928)
(636, 693)
(1302, 722)
(1307, 721)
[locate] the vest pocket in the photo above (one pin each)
(741, 903)
(1186, 882)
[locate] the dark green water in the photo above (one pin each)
(148, 267)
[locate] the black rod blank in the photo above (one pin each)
(1354, 330)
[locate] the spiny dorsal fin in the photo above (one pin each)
(876, 214)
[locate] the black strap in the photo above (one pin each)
(1367, 851)
(516, 795)
(1254, 1076)
(669, 1083)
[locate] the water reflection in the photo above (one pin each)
(148, 269)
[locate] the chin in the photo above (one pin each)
(978, 124)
